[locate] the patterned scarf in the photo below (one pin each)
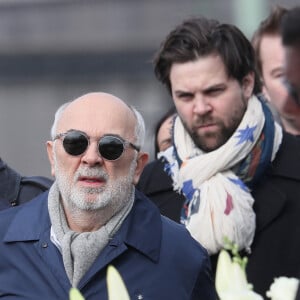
(217, 184)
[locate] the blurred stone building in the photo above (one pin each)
(52, 51)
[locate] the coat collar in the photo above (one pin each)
(31, 221)
(144, 221)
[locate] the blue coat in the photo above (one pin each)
(156, 257)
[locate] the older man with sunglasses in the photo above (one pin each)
(93, 217)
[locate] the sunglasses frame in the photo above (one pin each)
(124, 142)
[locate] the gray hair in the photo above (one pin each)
(140, 130)
(57, 118)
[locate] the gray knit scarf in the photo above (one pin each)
(80, 250)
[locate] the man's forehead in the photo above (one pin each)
(97, 113)
(191, 80)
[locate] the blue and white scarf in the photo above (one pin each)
(217, 184)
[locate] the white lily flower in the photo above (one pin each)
(283, 288)
(75, 294)
(231, 280)
(115, 285)
(223, 281)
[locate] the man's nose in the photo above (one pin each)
(202, 105)
(92, 156)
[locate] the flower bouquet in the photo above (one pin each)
(232, 284)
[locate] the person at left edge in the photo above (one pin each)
(93, 217)
(16, 189)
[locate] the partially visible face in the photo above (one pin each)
(164, 135)
(272, 58)
(210, 104)
(292, 67)
(87, 181)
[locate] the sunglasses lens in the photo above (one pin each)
(110, 147)
(75, 143)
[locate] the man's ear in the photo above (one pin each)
(50, 150)
(248, 84)
(142, 160)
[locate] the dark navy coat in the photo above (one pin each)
(156, 257)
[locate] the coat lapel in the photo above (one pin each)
(143, 220)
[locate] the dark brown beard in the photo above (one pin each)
(221, 138)
(225, 132)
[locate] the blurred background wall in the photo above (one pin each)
(52, 51)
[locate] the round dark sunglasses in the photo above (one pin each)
(110, 147)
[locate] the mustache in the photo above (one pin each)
(90, 172)
(205, 120)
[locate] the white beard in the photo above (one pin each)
(113, 196)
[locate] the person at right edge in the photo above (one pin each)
(236, 171)
(290, 33)
(269, 51)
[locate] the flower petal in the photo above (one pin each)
(75, 294)
(224, 272)
(115, 285)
